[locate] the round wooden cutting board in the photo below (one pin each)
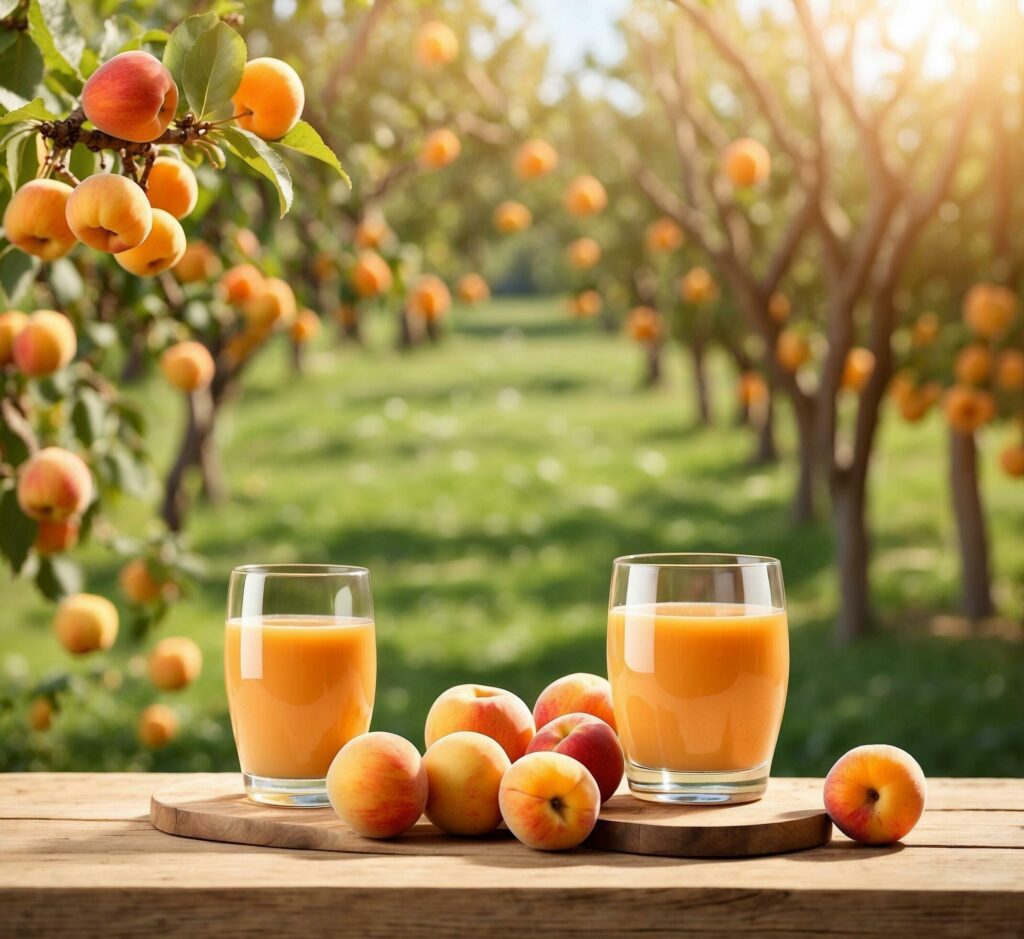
(213, 807)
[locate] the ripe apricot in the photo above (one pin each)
(85, 623)
(163, 248)
(913, 400)
(440, 148)
(305, 327)
(643, 324)
(511, 217)
(199, 263)
(857, 368)
(925, 329)
(746, 162)
(583, 253)
(11, 323)
(54, 484)
(430, 297)
(372, 232)
(779, 307)
(131, 96)
(973, 365)
(370, 275)
(1011, 459)
(174, 663)
(35, 220)
(1009, 370)
(269, 99)
(57, 537)
(585, 196)
(109, 213)
(158, 726)
(753, 391)
(40, 715)
(535, 158)
(472, 288)
(188, 366)
(698, 286)
(272, 305)
(989, 309)
(436, 44)
(792, 350)
(138, 585)
(172, 187)
(239, 283)
(968, 409)
(247, 243)
(588, 304)
(663, 235)
(46, 344)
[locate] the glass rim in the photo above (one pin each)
(695, 559)
(300, 570)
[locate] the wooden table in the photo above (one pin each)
(78, 856)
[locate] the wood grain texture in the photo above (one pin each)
(78, 856)
(211, 807)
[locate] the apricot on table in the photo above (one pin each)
(162, 249)
(85, 622)
(464, 772)
(472, 288)
(663, 235)
(199, 263)
(497, 713)
(583, 253)
(188, 366)
(746, 162)
(131, 96)
(158, 726)
(239, 283)
(45, 344)
(511, 217)
(35, 220)
(377, 785)
(535, 158)
(269, 99)
(110, 213)
(174, 663)
(436, 44)
(585, 196)
(56, 537)
(549, 801)
(591, 741)
(54, 484)
(440, 148)
(371, 275)
(580, 692)
(172, 186)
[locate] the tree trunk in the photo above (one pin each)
(766, 451)
(406, 337)
(700, 380)
(210, 470)
(297, 357)
(849, 492)
(431, 331)
(804, 499)
(652, 368)
(198, 449)
(173, 508)
(135, 362)
(972, 531)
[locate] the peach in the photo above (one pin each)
(172, 186)
(269, 99)
(989, 309)
(162, 249)
(440, 148)
(273, 304)
(792, 350)
(198, 264)
(580, 692)
(875, 794)
(512, 217)
(55, 484)
(85, 622)
(371, 275)
(132, 96)
(973, 365)
(305, 327)
(435, 44)
(857, 368)
(583, 253)
(925, 329)
(110, 213)
(746, 162)
(35, 220)
(188, 366)
(377, 785)
(588, 304)
(137, 583)
(430, 297)
(40, 715)
(45, 345)
(549, 801)
(372, 232)
(1011, 459)
(643, 324)
(535, 158)
(239, 283)
(663, 235)
(497, 713)
(158, 726)
(57, 537)
(472, 288)
(174, 663)
(591, 741)
(1009, 368)
(968, 409)
(464, 772)
(11, 323)
(585, 196)
(698, 286)
(779, 307)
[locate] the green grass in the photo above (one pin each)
(488, 483)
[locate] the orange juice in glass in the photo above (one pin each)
(300, 669)
(698, 661)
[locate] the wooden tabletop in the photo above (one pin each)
(78, 856)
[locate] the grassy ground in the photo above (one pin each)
(488, 484)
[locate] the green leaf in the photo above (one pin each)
(59, 37)
(58, 577)
(65, 282)
(17, 271)
(35, 110)
(303, 138)
(87, 416)
(82, 162)
(17, 530)
(183, 38)
(264, 159)
(21, 72)
(213, 70)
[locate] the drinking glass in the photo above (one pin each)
(698, 660)
(300, 668)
